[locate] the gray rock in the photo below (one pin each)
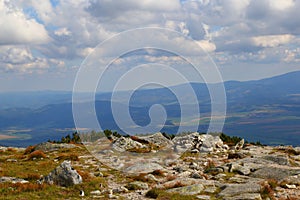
(122, 144)
(196, 175)
(12, 180)
(47, 146)
(241, 169)
(272, 173)
(137, 185)
(143, 168)
(151, 177)
(96, 192)
(159, 140)
(278, 159)
(63, 175)
(203, 197)
(121, 189)
(239, 145)
(210, 143)
(237, 189)
(246, 196)
(188, 190)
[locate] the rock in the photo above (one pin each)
(246, 196)
(188, 190)
(159, 140)
(193, 165)
(236, 155)
(231, 190)
(184, 143)
(178, 181)
(293, 180)
(196, 175)
(143, 168)
(239, 145)
(241, 169)
(178, 169)
(121, 189)
(47, 146)
(122, 144)
(137, 185)
(194, 151)
(98, 174)
(210, 189)
(278, 159)
(272, 173)
(291, 186)
(210, 143)
(203, 197)
(185, 174)
(11, 160)
(151, 177)
(63, 175)
(12, 180)
(95, 192)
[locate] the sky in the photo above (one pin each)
(43, 44)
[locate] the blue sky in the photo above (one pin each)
(43, 43)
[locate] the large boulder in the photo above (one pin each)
(159, 140)
(122, 144)
(63, 175)
(197, 142)
(231, 190)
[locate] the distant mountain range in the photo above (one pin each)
(266, 110)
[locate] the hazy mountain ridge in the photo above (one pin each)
(254, 108)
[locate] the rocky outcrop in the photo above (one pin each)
(159, 140)
(63, 175)
(122, 144)
(47, 146)
(196, 142)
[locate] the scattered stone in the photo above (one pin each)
(159, 140)
(12, 180)
(137, 185)
(98, 174)
(47, 146)
(151, 177)
(63, 175)
(239, 145)
(237, 189)
(247, 196)
(236, 155)
(291, 186)
(143, 168)
(278, 159)
(272, 173)
(193, 165)
(188, 190)
(121, 189)
(95, 192)
(196, 175)
(122, 144)
(11, 160)
(203, 197)
(178, 169)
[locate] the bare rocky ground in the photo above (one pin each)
(192, 166)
